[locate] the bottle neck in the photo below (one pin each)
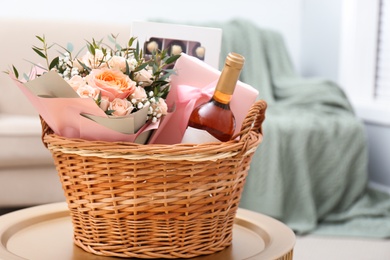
(226, 84)
(221, 97)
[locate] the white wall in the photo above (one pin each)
(282, 15)
(321, 28)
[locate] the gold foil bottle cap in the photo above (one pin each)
(229, 76)
(235, 60)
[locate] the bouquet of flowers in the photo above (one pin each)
(119, 79)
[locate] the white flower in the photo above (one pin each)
(74, 72)
(66, 73)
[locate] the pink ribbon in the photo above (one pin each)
(193, 97)
(185, 98)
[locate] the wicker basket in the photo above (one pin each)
(154, 201)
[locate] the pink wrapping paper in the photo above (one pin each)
(192, 85)
(62, 109)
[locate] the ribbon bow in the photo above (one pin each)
(186, 98)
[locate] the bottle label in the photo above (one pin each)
(197, 136)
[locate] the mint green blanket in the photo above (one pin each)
(310, 172)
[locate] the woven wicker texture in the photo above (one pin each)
(288, 256)
(154, 201)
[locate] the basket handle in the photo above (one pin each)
(253, 120)
(46, 130)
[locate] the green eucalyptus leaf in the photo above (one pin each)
(39, 53)
(137, 52)
(15, 71)
(84, 66)
(109, 112)
(165, 76)
(172, 59)
(26, 77)
(111, 38)
(42, 39)
(141, 67)
(54, 62)
(69, 47)
(91, 48)
(38, 48)
(131, 41)
(99, 98)
(127, 68)
(156, 69)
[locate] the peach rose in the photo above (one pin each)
(104, 103)
(121, 107)
(82, 89)
(94, 61)
(144, 76)
(162, 105)
(117, 63)
(139, 93)
(112, 83)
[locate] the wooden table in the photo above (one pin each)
(45, 233)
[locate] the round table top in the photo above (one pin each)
(45, 232)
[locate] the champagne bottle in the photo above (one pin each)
(213, 121)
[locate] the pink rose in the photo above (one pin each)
(82, 89)
(121, 107)
(112, 83)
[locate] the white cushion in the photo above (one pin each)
(21, 144)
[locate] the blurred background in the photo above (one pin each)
(339, 40)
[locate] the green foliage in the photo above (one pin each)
(54, 63)
(15, 71)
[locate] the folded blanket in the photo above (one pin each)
(311, 169)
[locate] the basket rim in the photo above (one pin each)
(245, 142)
(188, 152)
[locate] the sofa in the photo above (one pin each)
(27, 173)
(310, 168)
